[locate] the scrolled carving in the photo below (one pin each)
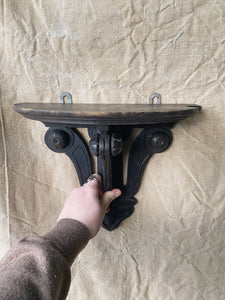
(68, 140)
(159, 140)
(94, 145)
(116, 144)
(153, 139)
(58, 139)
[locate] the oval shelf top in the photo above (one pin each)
(106, 114)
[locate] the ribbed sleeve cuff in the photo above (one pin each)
(69, 237)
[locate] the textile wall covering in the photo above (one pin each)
(119, 51)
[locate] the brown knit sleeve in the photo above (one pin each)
(39, 267)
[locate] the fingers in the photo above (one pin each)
(109, 196)
(107, 210)
(95, 182)
(94, 178)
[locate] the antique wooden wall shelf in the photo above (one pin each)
(109, 126)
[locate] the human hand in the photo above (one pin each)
(88, 204)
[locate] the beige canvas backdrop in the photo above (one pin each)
(173, 246)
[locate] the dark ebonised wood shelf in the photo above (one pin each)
(109, 114)
(109, 126)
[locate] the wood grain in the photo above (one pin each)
(109, 114)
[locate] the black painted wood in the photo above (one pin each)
(154, 139)
(68, 141)
(105, 114)
(109, 126)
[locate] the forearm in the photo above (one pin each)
(39, 267)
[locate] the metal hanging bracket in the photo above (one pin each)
(153, 97)
(66, 95)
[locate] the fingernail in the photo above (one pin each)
(117, 194)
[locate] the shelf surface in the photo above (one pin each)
(106, 114)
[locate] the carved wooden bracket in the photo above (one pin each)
(109, 126)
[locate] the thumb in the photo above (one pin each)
(109, 196)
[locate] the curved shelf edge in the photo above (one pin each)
(106, 114)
